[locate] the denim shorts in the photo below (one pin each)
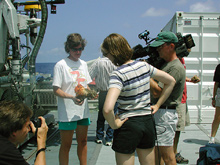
(72, 125)
(136, 132)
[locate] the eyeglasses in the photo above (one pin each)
(75, 50)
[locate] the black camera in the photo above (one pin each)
(36, 122)
(184, 44)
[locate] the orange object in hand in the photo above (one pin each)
(82, 93)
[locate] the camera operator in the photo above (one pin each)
(15, 125)
(166, 117)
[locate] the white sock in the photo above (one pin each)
(212, 139)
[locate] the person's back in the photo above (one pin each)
(101, 71)
(134, 98)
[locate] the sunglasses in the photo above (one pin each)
(75, 50)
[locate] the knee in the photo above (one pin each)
(82, 142)
(168, 158)
(65, 146)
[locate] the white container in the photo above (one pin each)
(202, 61)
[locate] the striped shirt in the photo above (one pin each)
(101, 70)
(133, 79)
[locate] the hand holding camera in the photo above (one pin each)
(40, 128)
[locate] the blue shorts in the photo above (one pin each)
(72, 125)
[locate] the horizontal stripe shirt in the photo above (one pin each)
(133, 79)
(101, 70)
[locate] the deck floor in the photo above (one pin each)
(194, 137)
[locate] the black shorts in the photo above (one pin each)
(136, 132)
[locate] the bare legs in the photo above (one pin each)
(81, 137)
(66, 142)
(145, 156)
(176, 141)
(167, 154)
(216, 121)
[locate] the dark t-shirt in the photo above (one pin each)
(9, 154)
(174, 68)
(216, 77)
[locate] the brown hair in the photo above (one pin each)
(118, 47)
(13, 116)
(73, 40)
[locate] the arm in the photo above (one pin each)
(108, 109)
(214, 93)
(155, 89)
(60, 93)
(41, 141)
(168, 82)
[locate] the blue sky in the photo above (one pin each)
(96, 19)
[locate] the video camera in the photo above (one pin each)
(182, 49)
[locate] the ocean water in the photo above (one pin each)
(45, 68)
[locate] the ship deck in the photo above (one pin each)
(194, 137)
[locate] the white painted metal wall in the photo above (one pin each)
(204, 57)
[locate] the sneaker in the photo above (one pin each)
(98, 141)
(180, 159)
(108, 143)
(212, 140)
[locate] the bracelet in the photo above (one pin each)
(42, 149)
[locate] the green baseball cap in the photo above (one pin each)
(164, 37)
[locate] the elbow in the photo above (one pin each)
(105, 112)
(173, 83)
(55, 90)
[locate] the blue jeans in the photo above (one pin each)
(101, 120)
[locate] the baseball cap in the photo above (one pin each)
(164, 37)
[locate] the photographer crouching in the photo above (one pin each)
(15, 125)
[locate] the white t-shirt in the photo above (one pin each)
(67, 75)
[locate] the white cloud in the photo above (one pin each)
(207, 6)
(152, 12)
